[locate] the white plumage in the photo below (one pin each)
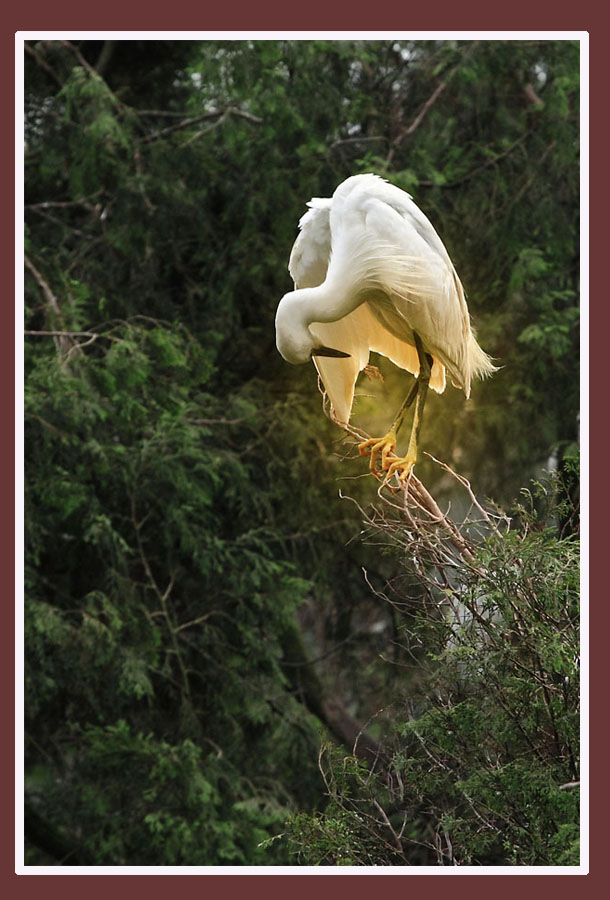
(370, 272)
(381, 272)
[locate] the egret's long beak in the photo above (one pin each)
(329, 351)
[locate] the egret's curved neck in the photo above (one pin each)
(328, 302)
(298, 310)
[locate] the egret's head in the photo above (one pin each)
(292, 335)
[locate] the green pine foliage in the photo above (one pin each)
(485, 762)
(150, 596)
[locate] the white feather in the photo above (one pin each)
(369, 270)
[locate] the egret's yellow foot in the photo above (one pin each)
(402, 468)
(376, 446)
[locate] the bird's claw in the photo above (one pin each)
(402, 468)
(390, 464)
(375, 446)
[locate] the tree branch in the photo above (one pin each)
(96, 75)
(186, 123)
(42, 63)
(84, 62)
(485, 165)
(62, 341)
(329, 710)
(62, 333)
(570, 785)
(105, 56)
(409, 129)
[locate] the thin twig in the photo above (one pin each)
(56, 204)
(340, 142)
(66, 333)
(162, 112)
(433, 508)
(485, 165)
(161, 595)
(56, 221)
(42, 63)
(43, 285)
(63, 342)
(137, 158)
(94, 74)
(388, 825)
(122, 107)
(196, 621)
(187, 123)
(216, 421)
(466, 484)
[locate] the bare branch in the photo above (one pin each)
(466, 484)
(62, 341)
(216, 421)
(60, 333)
(105, 56)
(137, 158)
(212, 114)
(56, 221)
(162, 596)
(43, 285)
(429, 503)
(57, 204)
(168, 113)
(388, 824)
(81, 58)
(42, 63)
(340, 142)
(409, 129)
(96, 75)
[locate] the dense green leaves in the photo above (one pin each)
(485, 764)
(151, 595)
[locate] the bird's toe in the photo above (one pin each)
(402, 468)
(378, 447)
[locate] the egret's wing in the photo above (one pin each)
(361, 331)
(339, 375)
(399, 249)
(445, 311)
(370, 187)
(400, 352)
(357, 334)
(308, 262)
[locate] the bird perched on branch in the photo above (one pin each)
(371, 273)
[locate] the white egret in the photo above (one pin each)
(371, 273)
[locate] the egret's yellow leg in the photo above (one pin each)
(387, 444)
(403, 466)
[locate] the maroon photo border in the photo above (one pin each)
(318, 16)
